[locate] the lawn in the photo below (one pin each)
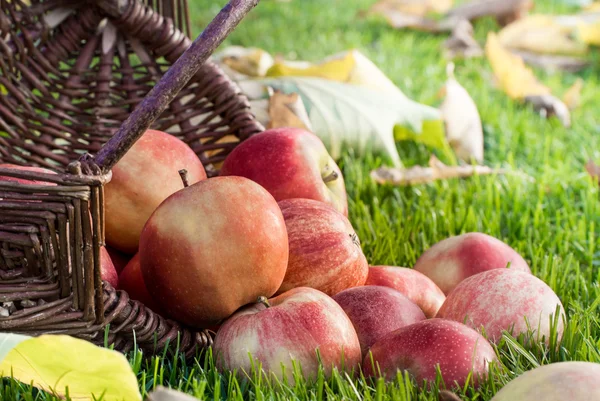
(550, 221)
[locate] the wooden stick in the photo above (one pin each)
(158, 99)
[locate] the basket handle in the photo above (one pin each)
(176, 77)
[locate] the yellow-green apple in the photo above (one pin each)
(26, 168)
(289, 163)
(414, 285)
(421, 347)
(141, 180)
(289, 329)
(132, 282)
(119, 258)
(559, 381)
(453, 259)
(213, 247)
(376, 311)
(324, 250)
(504, 299)
(107, 268)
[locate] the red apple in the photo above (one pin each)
(560, 381)
(376, 311)
(295, 325)
(503, 299)
(119, 258)
(414, 285)
(132, 282)
(457, 349)
(452, 260)
(213, 247)
(107, 268)
(325, 252)
(141, 180)
(289, 163)
(26, 168)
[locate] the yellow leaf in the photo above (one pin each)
(55, 362)
(572, 96)
(335, 69)
(243, 62)
(349, 66)
(515, 79)
(589, 33)
(542, 34)
(593, 7)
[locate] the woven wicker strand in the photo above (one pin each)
(79, 88)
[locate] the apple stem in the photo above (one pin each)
(183, 174)
(263, 300)
(331, 177)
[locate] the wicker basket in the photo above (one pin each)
(80, 82)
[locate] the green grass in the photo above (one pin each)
(552, 221)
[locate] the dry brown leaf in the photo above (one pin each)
(572, 97)
(287, 110)
(421, 175)
(505, 11)
(552, 62)
(411, 13)
(550, 106)
(593, 169)
(463, 124)
(462, 43)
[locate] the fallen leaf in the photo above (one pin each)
(462, 44)
(421, 175)
(550, 106)
(398, 17)
(287, 110)
(354, 116)
(572, 97)
(166, 394)
(513, 76)
(519, 82)
(411, 13)
(589, 32)
(349, 66)
(505, 11)
(462, 121)
(542, 34)
(412, 7)
(592, 7)
(240, 62)
(552, 62)
(593, 169)
(54, 363)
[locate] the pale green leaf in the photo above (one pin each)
(357, 117)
